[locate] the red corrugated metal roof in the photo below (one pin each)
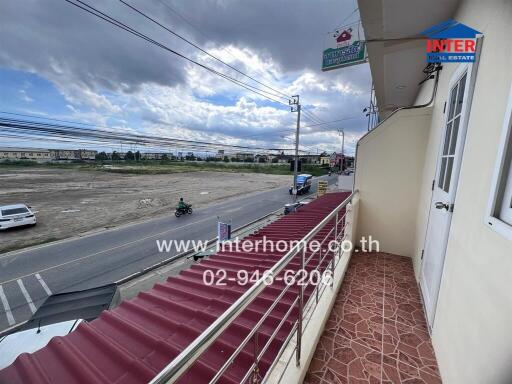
(133, 342)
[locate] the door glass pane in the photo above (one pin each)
(447, 139)
(448, 175)
(455, 133)
(441, 173)
(453, 98)
(505, 211)
(460, 98)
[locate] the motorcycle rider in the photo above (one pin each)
(182, 205)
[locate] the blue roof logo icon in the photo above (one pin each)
(450, 29)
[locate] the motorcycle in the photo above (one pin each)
(183, 211)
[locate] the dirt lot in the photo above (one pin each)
(69, 202)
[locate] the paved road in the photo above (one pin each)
(28, 277)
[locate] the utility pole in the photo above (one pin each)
(341, 131)
(295, 107)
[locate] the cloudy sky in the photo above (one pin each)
(58, 61)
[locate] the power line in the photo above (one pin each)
(41, 130)
(291, 130)
(95, 12)
(349, 16)
(53, 119)
(307, 114)
(288, 130)
(200, 31)
(332, 121)
(279, 93)
(311, 117)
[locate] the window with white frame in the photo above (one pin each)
(501, 199)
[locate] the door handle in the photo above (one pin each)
(441, 205)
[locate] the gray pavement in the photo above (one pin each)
(28, 276)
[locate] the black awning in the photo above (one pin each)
(85, 304)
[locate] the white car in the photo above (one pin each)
(16, 215)
(31, 340)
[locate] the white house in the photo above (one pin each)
(445, 196)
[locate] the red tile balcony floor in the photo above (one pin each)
(376, 332)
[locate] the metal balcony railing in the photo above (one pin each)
(327, 260)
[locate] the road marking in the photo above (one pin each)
(8, 313)
(27, 296)
(106, 250)
(43, 284)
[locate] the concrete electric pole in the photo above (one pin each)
(295, 107)
(342, 133)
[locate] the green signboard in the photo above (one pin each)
(339, 57)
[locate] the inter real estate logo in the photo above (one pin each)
(451, 42)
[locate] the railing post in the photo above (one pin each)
(316, 288)
(333, 263)
(256, 370)
(301, 309)
(336, 227)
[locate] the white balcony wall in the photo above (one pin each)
(390, 162)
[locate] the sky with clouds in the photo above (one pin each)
(58, 61)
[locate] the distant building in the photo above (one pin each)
(271, 157)
(349, 161)
(310, 159)
(153, 155)
(325, 160)
(37, 154)
(261, 158)
(242, 156)
(86, 154)
(335, 160)
(283, 159)
(64, 154)
(40, 154)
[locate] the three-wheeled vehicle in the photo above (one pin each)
(303, 184)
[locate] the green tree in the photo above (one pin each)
(137, 156)
(164, 158)
(101, 156)
(249, 160)
(226, 159)
(115, 156)
(129, 156)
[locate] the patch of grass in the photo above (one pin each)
(19, 163)
(168, 167)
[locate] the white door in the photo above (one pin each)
(445, 186)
